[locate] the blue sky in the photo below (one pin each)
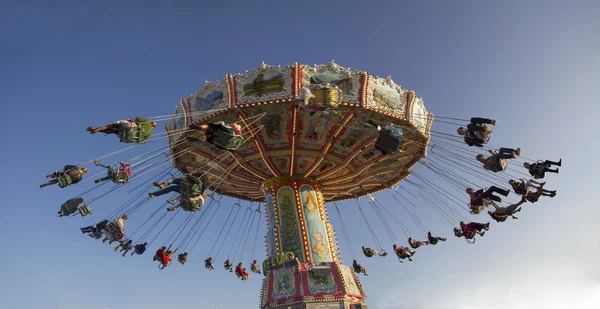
(533, 65)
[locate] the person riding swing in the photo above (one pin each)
(368, 252)
(69, 175)
(208, 264)
(190, 188)
(115, 231)
(228, 265)
(254, 267)
(139, 249)
(118, 173)
(500, 214)
(359, 268)
(416, 243)
(241, 273)
(389, 139)
(226, 137)
(125, 246)
(433, 240)
(163, 256)
(96, 231)
(129, 131)
(72, 206)
(477, 133)
(403, 253)
(182, 258)
(468, 231)
(498, 161)
(320, 97)
(483, 197)
(538, 170)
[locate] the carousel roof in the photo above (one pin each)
(336, 150)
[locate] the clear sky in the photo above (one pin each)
(533, 65)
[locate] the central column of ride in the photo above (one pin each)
(303, 267)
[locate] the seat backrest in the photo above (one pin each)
(191, 206)
(189, 187)
(130, 134)
(327, 96)
(226, 140)
(64, 180)
(85, 210)
(501, 165)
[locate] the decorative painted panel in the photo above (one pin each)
(178, 119)
(303, 163)
(315, 129)
(275, 122)
(348, 81)
(350, 281)
(270, 214)
(351, 139)
(264, 84)
(284, 284)
(289, 232)
(315, 227)
(281, 163)
(327, 283)
(419, 114)
(384, 94)
(211, 98)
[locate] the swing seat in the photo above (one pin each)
(190, 206)
(500, 165)
(383, 253)
(64, 180)
(66, 210)
(225, 138)
(191, 186)
(476, 209)
(481, 140)
(119, 173)
(131, 134)
(387, 143)
(85, 210)
(328, 96)
(539, 170)
(115, 232)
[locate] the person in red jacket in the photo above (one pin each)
(163, 256)
(468, 231)
(240, 271)
(479, 197)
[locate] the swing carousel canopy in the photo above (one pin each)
(335, 150)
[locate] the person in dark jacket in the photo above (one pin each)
(95, 231)
(182, 258)
(139, 249)
(70, 207)
(538, 170)
(69, 175)
(477, 133)
(523, 188)
(433, 240)
(359, 268)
